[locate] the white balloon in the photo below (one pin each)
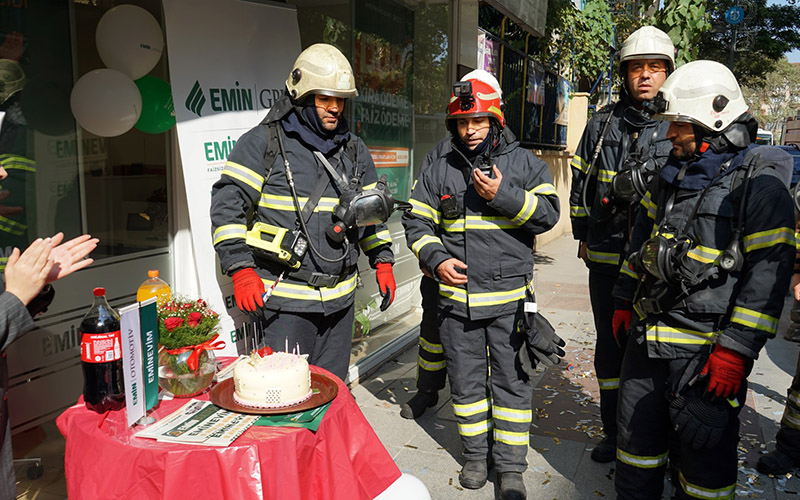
(106, 102)
(407, 487)
(129, 39)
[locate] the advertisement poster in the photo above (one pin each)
(228, 62)
(383, 112)
(535, 94)
(488, 53)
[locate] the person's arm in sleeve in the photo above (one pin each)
(421, 224)
(233, 196)
(643, 227)
(534, 208)
(579, 166)
(375, 241)
(769, 250)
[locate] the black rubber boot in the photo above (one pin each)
(605, 451)
(473, 474)
(776, 463)
(511, 486)
(417, 405)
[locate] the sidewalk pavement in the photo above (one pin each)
(566, 423)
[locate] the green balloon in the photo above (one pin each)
(158, 110)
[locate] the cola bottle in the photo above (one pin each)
(101, 356)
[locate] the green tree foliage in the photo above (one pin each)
(581, 40)
(685, 21)
(767, 33)
(774, 97)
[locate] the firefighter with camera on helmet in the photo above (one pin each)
(431, 365)
(483, 195)
(711, 256)
(299, 195)
(620, 150)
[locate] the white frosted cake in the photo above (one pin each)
(273, 381)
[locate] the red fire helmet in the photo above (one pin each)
(483, 101)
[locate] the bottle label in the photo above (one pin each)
(101, 347)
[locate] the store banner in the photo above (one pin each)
(228, 62)
(130, 328)
(148, 317)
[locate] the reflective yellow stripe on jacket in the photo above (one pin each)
(12, 227)
(668, 335)
(482, 299)
(603, 257)
(286, 203)
(306, 292)
(423, 210)
(16, 162)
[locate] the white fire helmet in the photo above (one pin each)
(485, 77)
(648, 42)
(702, 92)
(321, 69)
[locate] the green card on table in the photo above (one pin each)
(309, 419)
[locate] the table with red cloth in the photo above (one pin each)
(344, 459)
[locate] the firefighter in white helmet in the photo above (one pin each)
(305, 253)
(620, 150)
(711, 255)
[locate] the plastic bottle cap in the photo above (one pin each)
(99, 291)
(153, 273)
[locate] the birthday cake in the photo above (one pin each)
(273, 380)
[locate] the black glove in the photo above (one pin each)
(541, 345)
(699, 422)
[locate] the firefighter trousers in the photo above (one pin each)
(645, 435)
(607, 354)
(431, 366)
(788, 437)
(325, 338)
(491, 394)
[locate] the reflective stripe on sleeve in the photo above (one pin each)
(425, 240)
(603, 257)
(229, 231)
(579, 163)
(648, 205)
(423, 210)
(243, 174)
(576, 211)
(528, 207)
(754, 319)
(764, 239)
(706, 255)
(376, 240)
(605, 175)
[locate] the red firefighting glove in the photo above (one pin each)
(385, 277)
(621, 321)
(248, 290)
(725, 369)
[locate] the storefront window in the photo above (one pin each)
(61, 176)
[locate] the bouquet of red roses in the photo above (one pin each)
(184, 322)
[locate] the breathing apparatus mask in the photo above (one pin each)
(630, 183)
(362, 208)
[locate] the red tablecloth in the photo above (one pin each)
(343, 460)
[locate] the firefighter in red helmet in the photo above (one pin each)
(477, 205)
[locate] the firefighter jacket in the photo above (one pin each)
(605, 227)
(249, 186)
(493, 238)
(737, 309)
